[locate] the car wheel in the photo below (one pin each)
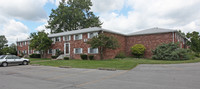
(4, 64)
(25, 63)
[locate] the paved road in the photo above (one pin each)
(170, 76)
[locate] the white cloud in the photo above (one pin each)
(102, 6)
(177, 14)
(14, 30)
(23, 9)
(42, 27)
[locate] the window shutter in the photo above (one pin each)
(74, 50)
(88, 50)
(97, 50)
(69, 37)
(63, 38)
(80, 36)
(88, 35)
(59, 38)
(81, 50)
(74, 37)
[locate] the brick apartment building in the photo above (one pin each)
(73, 43)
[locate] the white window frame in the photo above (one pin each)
(68, 36)
(94, 34)
(96, 50)
(58, 39)
(53, 39)
(78, 48)
(79, 38)
(51, 51)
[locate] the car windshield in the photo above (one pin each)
(2, 56)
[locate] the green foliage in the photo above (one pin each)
(120, 55)
(138, 50)
(12, 49)
(58, 53)
(91, 57)
(35, 56)
(76, 14)
(54, 57)
(3, 41)
(84, 56)
(170, 51)
(194, 41)
(103, 42)
(66, 58)
(40, 42)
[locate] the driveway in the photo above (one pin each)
(168, 76)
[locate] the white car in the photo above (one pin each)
(12, 59)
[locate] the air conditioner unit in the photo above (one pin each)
(85, 40)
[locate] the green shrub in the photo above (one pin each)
(84, 56)
(170, 51)
(91, 57)
(120, 55)
(138, 50)
(35, 56)
(66, 58)
(54, 57)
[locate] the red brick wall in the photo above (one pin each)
(22, 47)
(150, 41)
(109, 53)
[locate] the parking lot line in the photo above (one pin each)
(107, 77)
(66, 75)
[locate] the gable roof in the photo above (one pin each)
(155, 30)
(85, 30)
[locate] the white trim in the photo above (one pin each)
(78, 48)
(88, 35)
(69, 36)
(96, 51)
(81, 36)
(65, 48)
(63, 38)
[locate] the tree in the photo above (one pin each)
(194, 41)
(12, 49)
(3, 41)
(40, 42)
(74, 15)
(103, 42)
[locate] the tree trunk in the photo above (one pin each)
(101, 52)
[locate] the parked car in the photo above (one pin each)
(12, 59)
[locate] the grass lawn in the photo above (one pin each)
(121, 64)
(38, 59)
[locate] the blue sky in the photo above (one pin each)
(18, 18)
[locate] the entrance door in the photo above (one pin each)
(67, 48)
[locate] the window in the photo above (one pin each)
(67, 38)
(29, 51)
(77, 50)
(9, 57)
(57, 39)
(92, 34)
(93, 50)
(15, 57)
(78, 37)
(24, 51)
(57, 50)
(50, 51)
(24, 43)
(53, 39)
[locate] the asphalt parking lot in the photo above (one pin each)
(168, 76)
